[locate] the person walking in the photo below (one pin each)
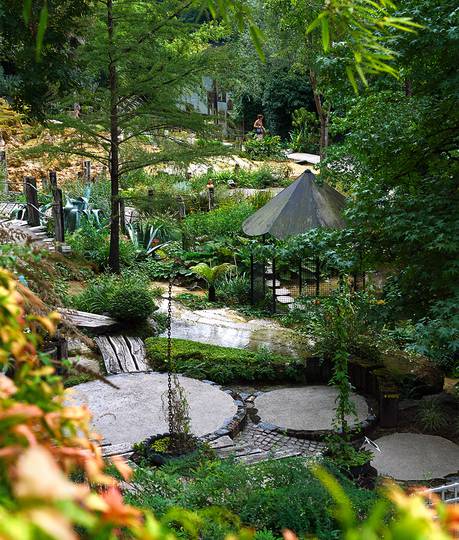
(259, 127)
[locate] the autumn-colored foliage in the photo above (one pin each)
(43, 441)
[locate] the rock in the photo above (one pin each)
(153, 327)
(87, 361)
(416, 376)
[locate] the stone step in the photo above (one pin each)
(282, 291)
(258, 457)
(285, 300)
(269, 283)
(222, 442)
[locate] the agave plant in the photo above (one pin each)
(145, 238)
(78, 209)
(211, 274)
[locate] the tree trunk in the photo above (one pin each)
(323, 113)
(212, 294)
(114, 254)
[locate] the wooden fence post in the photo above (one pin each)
(31, 193)
(58, 208)
(151, 198)
(3, 169)
(87, 170)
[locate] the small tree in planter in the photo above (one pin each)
(339, 444)
(179, 440)
(211, 274)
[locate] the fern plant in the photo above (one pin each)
(211, 274)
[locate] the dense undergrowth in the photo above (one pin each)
(269, 497)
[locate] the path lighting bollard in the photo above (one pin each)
(211, 194)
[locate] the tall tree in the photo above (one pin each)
(138, 63)
(399, 159)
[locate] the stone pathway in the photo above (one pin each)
(413, 456)
(304, 408)
(258, 436)
(227, 328)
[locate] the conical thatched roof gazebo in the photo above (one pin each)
(303, 205)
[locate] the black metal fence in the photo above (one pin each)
(281, 283)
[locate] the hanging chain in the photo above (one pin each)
(169, 361)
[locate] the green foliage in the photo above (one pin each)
(431, 415)
(269, 496)
(257, 200)
(93, 243)
(305, 134)
(264, 177)
(345, 322)
(97, 193)
(145, 237)
(33, 85)
(195, 301)
(234, 290)
(268, 147)
(437, 335)
(221, 364)
(224, 221)
(211, 274)
(125, 298)
(397, 160)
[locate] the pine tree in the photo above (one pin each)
(138, 59)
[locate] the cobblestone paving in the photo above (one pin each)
(256, 437)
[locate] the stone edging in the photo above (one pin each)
(232, 426)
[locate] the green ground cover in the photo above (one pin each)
(223, 365)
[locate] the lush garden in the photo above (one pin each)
(145, 169)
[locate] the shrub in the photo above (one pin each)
(269, 147)
(234, 289)
(93, 243)
(125, 298)
(224, 221)
(263, 177)
(223, 365)
(431, 415)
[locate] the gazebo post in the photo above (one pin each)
(300, 277)
(317, 276)
(252, 299)
(264, 268)
(274, 285)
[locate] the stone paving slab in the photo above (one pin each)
(135, 410)
(308, 408)
(227, 328)
(413, 456)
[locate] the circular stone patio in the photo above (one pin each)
(305, 408)
(134, 411)
(412, 456)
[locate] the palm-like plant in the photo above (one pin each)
(211, 274)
